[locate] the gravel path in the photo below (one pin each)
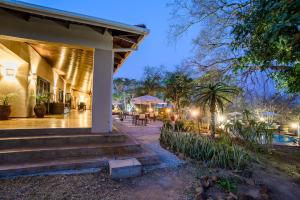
(162, 184)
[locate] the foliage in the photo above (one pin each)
(202, 148)
(214, 96)
(269, 31)
(42, 98)
(124, 89)
(245, 37)
(151, 83)
(228, 184)
(167, 125)
(255, 134)
(177, 88)
(5, 99)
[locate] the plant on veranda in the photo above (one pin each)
(214, 95)
(5, 99)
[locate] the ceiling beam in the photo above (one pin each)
(127, 39)
(118, 56)
(98, 29)
(124, 49)
(63, 23)
(20, 15)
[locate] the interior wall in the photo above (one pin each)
(14, 86)
(31, 65)
(27, 76)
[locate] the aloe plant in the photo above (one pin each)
(202, 148)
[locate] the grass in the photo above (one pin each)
(228, 184)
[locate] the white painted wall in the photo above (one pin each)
(102, 91)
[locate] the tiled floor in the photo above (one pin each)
(74, 119)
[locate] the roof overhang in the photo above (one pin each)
(126, 38)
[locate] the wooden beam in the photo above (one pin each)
(21, 15)
(63, 23)
(98, 29)
(118, 56)
(124, 49)
(127, 39)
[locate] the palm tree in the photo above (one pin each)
(214, 95)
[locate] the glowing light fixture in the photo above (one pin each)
(194, 113)
(168, 110)
(261, 119)
(9, 70)
(221, 118)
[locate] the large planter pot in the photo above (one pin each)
(4, 112)
(39, 110)
(57, 108)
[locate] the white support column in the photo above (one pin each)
(102, 91)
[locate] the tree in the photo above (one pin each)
(124, 89)
(214, 95)
(177, 88)
(151, 83)
(269, 34)
(244, 37)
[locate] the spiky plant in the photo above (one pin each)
(214, 95)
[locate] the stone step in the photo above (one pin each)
(43, 132)
(124, 168)
(21, 155)
(60, 165)
(59, 140)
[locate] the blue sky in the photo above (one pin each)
(155, 50)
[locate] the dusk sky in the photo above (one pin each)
(155, 50)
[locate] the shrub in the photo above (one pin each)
(213, 152)
(254, 134)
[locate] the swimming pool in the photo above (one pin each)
(283, 139)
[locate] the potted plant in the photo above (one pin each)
(40, 108)
(5, 108)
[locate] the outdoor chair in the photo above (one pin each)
(134, 118)
(81, 106)
(143, 119)
(152, 117)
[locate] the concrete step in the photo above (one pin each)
(43, 132)
(59, 140)
(60, 165)
(21, 155)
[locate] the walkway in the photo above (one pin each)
(148, 136)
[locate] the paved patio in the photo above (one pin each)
(148, 136)
(74, 119)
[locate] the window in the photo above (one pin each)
(42, 87)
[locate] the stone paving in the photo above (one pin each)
(148, 136)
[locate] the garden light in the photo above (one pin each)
(221, 118)
(261, 119)
(194, 113)
(294, 125)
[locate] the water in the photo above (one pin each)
(283, 139)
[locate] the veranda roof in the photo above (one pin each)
(147, 99)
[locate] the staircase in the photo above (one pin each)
(24, 152)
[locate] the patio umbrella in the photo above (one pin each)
(147, 99)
